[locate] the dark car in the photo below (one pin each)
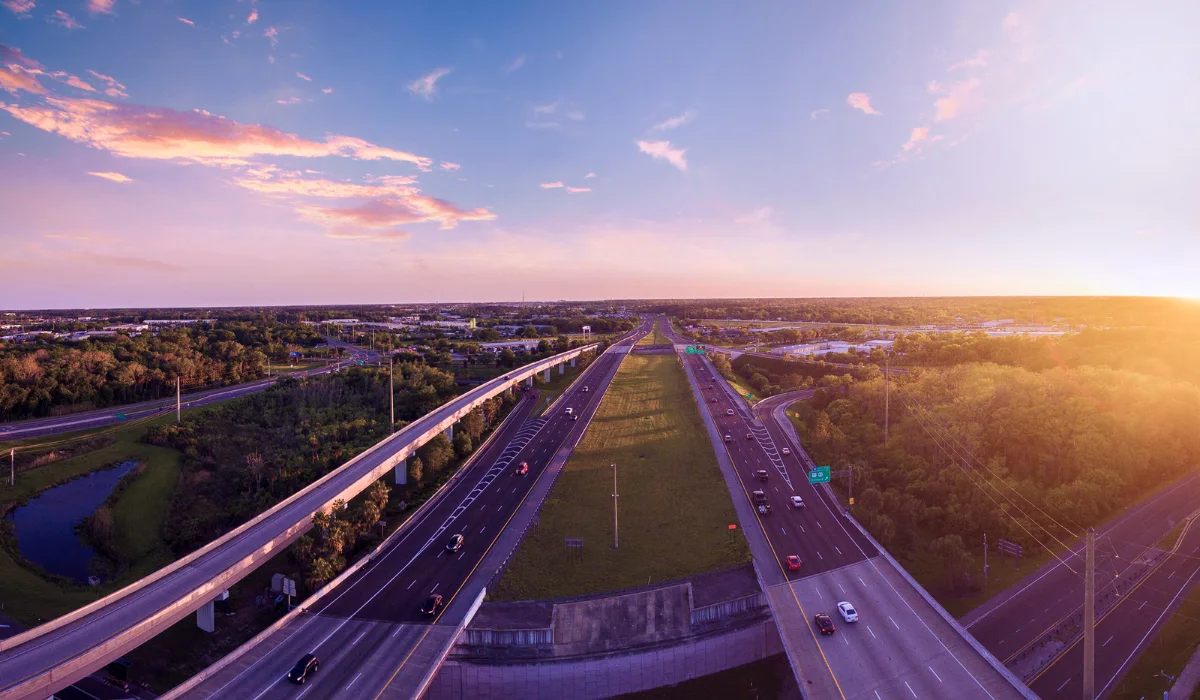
(434, 603)
(305, 667)
(714, 399)
(824, 623)
(455, 543)
(761, 474)
(585, 390)
(749, 436)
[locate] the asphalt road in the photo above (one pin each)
(86, 420)
(365, 631)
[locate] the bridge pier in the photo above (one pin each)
(529, 381)
(546, 377)
(402, 472)
(449, 433)
(572, 361)
(562, 368)
(206, 618)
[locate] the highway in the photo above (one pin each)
(901, 647)
(56, 653)
(365, 631)
(87, 420)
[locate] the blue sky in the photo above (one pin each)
(392, 152)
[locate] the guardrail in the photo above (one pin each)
(507, 638)
(729, 608)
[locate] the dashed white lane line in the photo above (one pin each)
(411, 584)
(353, 681)
(358, 639)
(846, 640)
(906, 685)
(820, 525)
(935, 675)
(1064, 685)
(893, 622)
(482, 529)
(872, 632)
(460, 554)
(877, 695)
(1106, 642)
(843, 590)
(820, 557)
(836, 549)
(436, 585)
(802, 529)
(1142, 605)
(301, 694)
(440, 553)
(860, 580)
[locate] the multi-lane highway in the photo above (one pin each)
(901, 647)
(365, 631)
(87, 420)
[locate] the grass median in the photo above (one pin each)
(674, 508)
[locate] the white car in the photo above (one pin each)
(849, 614)
(786, 451)
(570, 411)
(729, 411)
(797, 502)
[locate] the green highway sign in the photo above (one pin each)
(818, 475)
(694, 350)
(121, 416)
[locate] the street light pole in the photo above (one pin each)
(392, 393)
(615, 530)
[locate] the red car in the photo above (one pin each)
(793, 562)
(824, 623)
(523, 468)
(749, 436)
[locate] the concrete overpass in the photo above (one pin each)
(40, 661)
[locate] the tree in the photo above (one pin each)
(543, 346)
(529, 332)
(437, 453)
(416, 469)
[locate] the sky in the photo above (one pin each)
(226, 152)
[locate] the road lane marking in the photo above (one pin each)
(836, 549)
(1142, 605)
(411, 584)
(843, 590)
(436, 585)
(1064, 685)
(1106, 642)
(441, 552)
(783, 531)
(802, 529)
(305, 691)
(819, 555)
(893, 622)
(460, 555)
(846, 640)
(877, 695)
(906, 685)
(482, 529)
(353, 681)
(358, 638)
(1018, 630)
(935, 675)
(820, 525)
(872, 632)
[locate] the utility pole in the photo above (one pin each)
(1089, 620)
(615, 540)
(12, 467)
(392, 393)
(268, 368)
(887, 396)
(985, 566)
(178, 407)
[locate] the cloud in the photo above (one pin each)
(327, 90)
(19, 7)
(375, 237)
(977, 60)
(447, 165)
(543, 125)
(514, 65)
(674, 121)
(576, 115)
(75, 82)
(62, 19)
(100, 7)
(861, 101)
(161, 133)
(758, 216)
(303, 76)
(958, 96)
(550, 108)
(387, 213)
(426, 85)
(387, 187)
(918, 137)
(186, 21)
(816, 113)
(115, 89)
(272, 35)
(253, 16)
(127, 262)
(589, 175)
(71, 236)
(551, 185)
(13, 57)
(115, 177)
(288, 100)
(661, 150)
(14, 78)
(577, 190)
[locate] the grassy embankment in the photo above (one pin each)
(552, 389)
(655, 338)
(674, 507)
(138, 513)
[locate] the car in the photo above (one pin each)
(728, 439)
(432, 604)
(786, 451)
(575, 417)
(749, 436)
(797, 502)
(523, 468)
(761, 474)
(793, 562)
(824, 623)
(455, 543)
(570, 410)
(849, 614)
(729, 411)
(585, 390)
(305, 667)
(714, 399)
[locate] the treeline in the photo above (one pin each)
(1033, 457)
(51, 377)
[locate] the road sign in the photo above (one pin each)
(818, 475)
(121, 416)
(694, 350)
(851, 501)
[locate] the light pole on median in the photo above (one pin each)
(614, 495)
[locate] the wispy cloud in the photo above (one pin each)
(957, 97)
(288, 100)
(549, 108)
(272, 35)
(919, 136)
(813, 115)
(327, 90)
(253, 17)
(374, 237)
(114, 177)
(576, 115)
(979, 59)
(129, 262)
(661, 150)
(186, 21)
(71, 236)
(388, 213)
(447, 165)
(861, 101)
(514, 65)
(100, 7)
(589, 175)
(551, 185)
(64, 20)
(426, 85)
(14, 78)
(75, 82)
(758, 216)
(19, 7)
(543, 125)
(577, 190)
(674, 122)
(303, 76)
(115, 89)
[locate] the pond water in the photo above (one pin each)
(45, 527)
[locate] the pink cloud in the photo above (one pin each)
(14, 78)
(288, 101)
(674, 121)
(958, 97)
(115, 89)
(74, 81)
(426, 85)
(977, 60)
(100, 6)
(186, 21)
(447, 165)
(253, 16)
(861, 101)
(374, 237)
(303, 76)
(12, 56)
(551, 185)
(272, 35)
(387, 213)
(62, 19)
(136, 131)
(326, 90)
(576, 190)
(589, 175)
(758, 216)
(19, 7)
(661, 150)
(114, 177)
(390, 187)
(129, 262)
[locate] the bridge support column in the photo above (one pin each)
(562, 368)
(572, 361)
(402, 472)
(205, 618)
(529, 381)
(449, 433)
(546, 377)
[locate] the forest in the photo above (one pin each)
(50, 377)
(1031, 456)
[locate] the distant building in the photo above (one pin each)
(171, 321)
(128, 327)
(1001, 322)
